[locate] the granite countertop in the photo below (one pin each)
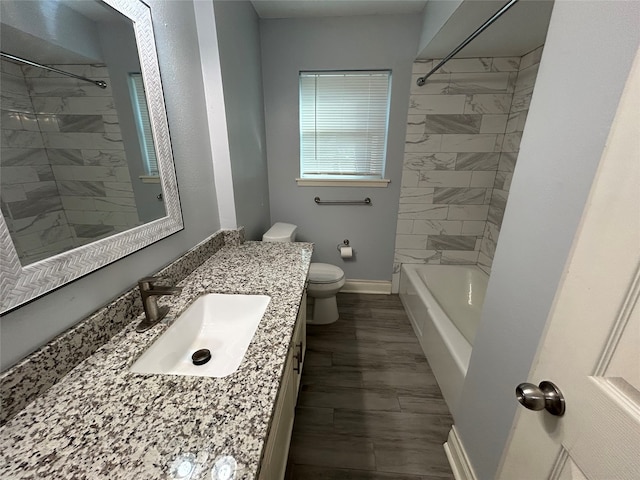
(101, 421)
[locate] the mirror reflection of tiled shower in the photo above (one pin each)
(65, 180)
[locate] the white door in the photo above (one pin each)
(591, 349)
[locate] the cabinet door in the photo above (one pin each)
(299, 343)
(274, 462)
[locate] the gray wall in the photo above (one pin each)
(237, 25)
(585, 63)
(350, 43)
(28, 327)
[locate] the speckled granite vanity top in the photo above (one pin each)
(101, 421)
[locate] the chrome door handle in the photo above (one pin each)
(544, 396)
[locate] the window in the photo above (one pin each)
(143, 124)
(343, 126)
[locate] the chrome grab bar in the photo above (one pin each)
(366, 201)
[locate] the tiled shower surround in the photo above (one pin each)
(463, 134)
(65, 180)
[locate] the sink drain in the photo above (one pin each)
(200, 357)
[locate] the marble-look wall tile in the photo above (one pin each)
(93, 231)
(48, 123)
(420, 66)
(65, 87)
(116, 204)
(473, 227)
(403, 255)
(482, 179)
(461, 65)
(423, 211)
(507, 161)
(105, 158)
(434, 104)
(488, 103)
(526, 79)
(521, 102)
(505, 64)
(461, 155)
(13, 85)
(410, 178)
(11, 120)
(412, 242)
(494, 123)
(437, 84)
(430, 161)
(468, 143)
(511, 142)
(82, 188)
(22, 157)
(531, 58)
(442, 178)
(468, 212)
(107, 141)
(423, 143)
(12, 175)
(437, 227)
(417, 195)
(21, 139)
(459, 257)
(74, 105)
(452, 123)
(497, 207)
(80, 123)
(404, 227)
(451, 242)
(468, 83)
(477, 161)
(459, 196)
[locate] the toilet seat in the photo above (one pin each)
(323, 273)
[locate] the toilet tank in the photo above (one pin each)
(281, 232)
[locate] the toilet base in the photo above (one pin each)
(325, 311)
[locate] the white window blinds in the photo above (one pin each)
(343, 124)
(143, 121)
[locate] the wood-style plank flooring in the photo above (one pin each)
(369, 406)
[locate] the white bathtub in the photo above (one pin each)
(444, 304)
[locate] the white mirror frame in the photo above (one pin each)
(20, 284)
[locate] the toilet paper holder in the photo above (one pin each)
(345, 243)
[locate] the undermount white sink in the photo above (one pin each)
(221, 323)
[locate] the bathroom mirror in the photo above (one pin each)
(86, 167)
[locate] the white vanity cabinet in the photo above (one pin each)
(274, 460)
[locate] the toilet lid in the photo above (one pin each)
(324, 273)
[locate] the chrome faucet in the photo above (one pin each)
(149, 292)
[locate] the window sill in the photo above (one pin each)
(307, 182)
(149, 178)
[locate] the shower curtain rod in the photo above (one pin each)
(99, 83)
(422, 80)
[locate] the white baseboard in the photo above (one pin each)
(380, 287)
(457, 457)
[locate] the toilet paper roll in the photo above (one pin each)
(346, 252)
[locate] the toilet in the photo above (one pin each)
(324, 280)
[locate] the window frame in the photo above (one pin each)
(346, 180)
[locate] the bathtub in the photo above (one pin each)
(444, 304)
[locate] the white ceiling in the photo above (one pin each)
(334, 8)
(518, 31)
